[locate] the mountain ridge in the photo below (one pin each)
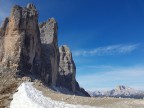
(120, 91)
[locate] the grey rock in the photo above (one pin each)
(67, 72)
(31, 50)
(31, 6)
(2, 34)
(67, 68)
(50, 52)
(3, 26)
(80, 91)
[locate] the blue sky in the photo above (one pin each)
(106, 38)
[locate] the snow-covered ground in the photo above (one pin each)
(28, 97)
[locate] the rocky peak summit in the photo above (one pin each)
(121, 87)
(64, 48)
(22, 39)
(119, 91)
(50, 28)
(31, 6)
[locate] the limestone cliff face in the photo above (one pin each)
(32, 48)
(21, 39)
(50, 52)
(67, 69)
(67, 72)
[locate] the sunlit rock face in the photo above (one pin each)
(67, 72)
(67, 68)
(21, 38)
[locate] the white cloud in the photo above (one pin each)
(107, 50)
(109, 79)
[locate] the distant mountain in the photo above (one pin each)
(119, 91)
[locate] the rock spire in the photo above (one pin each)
(32, 49)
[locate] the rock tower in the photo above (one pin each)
(32, 48)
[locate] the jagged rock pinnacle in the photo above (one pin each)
(67, 68)
(22, 38)
(31, 6)
(48, 32)
(52, 20)
(120, 87)
(31, 48)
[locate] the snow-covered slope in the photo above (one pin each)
(120, 91)
(28, 97)
(96, 93)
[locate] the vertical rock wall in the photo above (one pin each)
(32, 48)
(50, 52)
(22, 38)
(67, 72)
(67, 69)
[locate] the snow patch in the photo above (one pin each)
(28, 97)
